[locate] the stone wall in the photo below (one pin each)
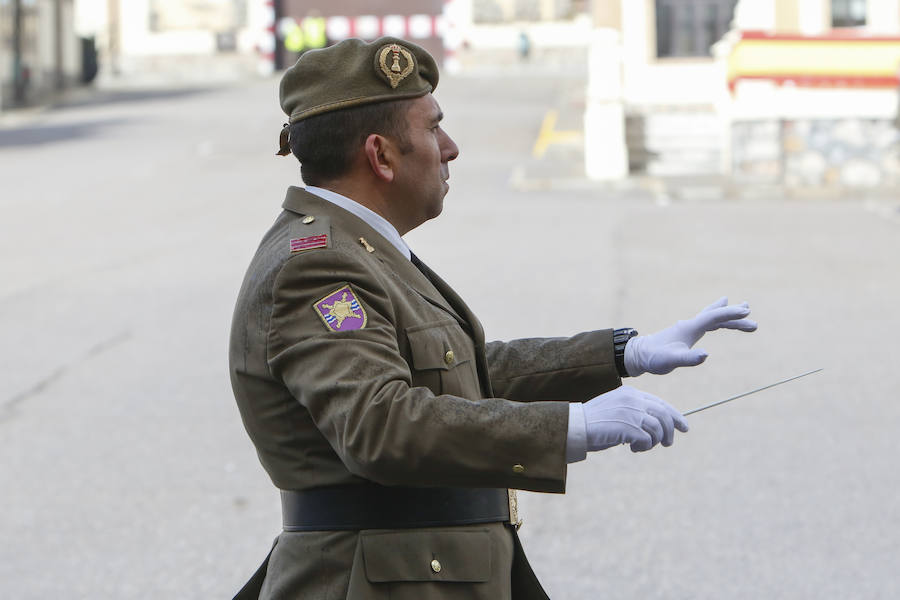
(817, 153)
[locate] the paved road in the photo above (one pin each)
(125, 473)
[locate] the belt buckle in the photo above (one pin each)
(514, 519)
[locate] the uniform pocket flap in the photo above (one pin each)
(441, 345)
(427, 556)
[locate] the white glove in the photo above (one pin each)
(662, 352)
(629, 416)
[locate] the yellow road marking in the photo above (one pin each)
(549, 136)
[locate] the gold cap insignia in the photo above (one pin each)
(395, 73)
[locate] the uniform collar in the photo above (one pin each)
(371, 218)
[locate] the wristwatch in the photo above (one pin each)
(620, 339)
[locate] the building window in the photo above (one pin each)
(848, 13)
(691, 27)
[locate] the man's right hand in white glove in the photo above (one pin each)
(624, 416)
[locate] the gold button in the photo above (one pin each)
(308, 219)
(436, 566)
(449, 357)
(518, 469)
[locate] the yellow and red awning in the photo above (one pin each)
(840, 58)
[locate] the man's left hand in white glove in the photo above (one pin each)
(666, 350)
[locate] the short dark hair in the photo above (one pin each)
(326, 143)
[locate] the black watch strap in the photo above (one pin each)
(620, 339)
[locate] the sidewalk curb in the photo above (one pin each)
(666, 190)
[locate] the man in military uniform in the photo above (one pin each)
(395, 433)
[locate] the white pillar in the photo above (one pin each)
(883, 17)
(754, 15)
(636, 59)
(812, 17)
(267, 43)
(134, 27)
(605, 150)
(451, 22)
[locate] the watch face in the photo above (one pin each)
(624, 334)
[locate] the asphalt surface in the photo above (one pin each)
(128, 221)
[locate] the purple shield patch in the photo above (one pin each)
(341, 310)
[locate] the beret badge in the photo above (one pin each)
(393, 53)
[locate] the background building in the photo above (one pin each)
(219, 39)
(39, 52)
(499, 11)
(801, 93)
(796, 92)
(147, 39)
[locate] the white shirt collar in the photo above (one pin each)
(372, 219)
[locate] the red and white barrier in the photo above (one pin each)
(369, 27)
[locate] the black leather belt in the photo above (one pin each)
(371, 506)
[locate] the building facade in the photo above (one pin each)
(504, 11)
(170, 39)
(796, 92)
(39, 52)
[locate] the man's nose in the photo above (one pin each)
(450, 149)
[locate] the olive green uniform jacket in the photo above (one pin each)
(387, 403)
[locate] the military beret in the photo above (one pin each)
(354, 72)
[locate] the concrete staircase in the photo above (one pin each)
(674, 141)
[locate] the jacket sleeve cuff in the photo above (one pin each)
(576, 441)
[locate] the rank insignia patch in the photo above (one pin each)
(308, 243)
(341, 311)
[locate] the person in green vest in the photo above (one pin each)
(294, 39)
(314, 31)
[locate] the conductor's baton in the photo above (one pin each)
(771, 385)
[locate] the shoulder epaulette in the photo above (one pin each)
(309, 232)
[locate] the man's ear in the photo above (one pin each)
(379, 153)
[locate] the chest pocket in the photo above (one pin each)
(443, 359)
